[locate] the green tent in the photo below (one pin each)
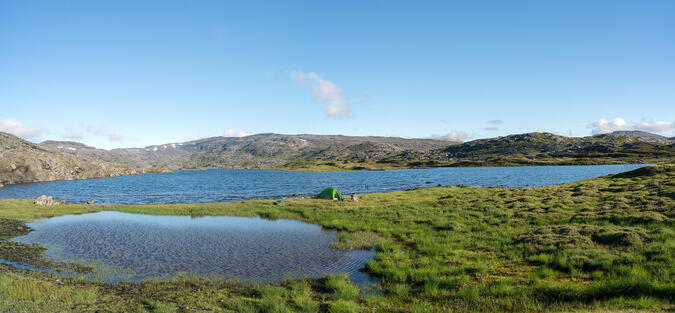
(330, 193)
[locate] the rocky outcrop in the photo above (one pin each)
(46, 200)
(24, 162)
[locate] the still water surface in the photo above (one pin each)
(219, 185)
(139, 246)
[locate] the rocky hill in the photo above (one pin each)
(605, 148)
(25, 162)
(335, 152)
(637, 133)
(163, 156)
(22, 161)
(255, 151)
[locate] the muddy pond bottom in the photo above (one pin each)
(133, 247)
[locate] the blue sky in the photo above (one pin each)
(135, 73)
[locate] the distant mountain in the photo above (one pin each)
(545, 147)
(255, 151)
(153, 156)
(330, 152)
(639, 134)
(25, 162)
(22, 161)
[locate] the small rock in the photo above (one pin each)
(41, 200)
(90, 201)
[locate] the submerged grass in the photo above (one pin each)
(603, 244)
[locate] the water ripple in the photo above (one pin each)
(152, 246)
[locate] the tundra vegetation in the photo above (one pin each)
(603, 244)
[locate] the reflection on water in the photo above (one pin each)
(151, 246)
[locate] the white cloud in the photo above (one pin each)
(452, 136)
(495, 122)
(17, 128)
(235, 133)
(101, 131)
(603, 126)
(324, 91)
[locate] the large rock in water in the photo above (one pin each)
(44, 200)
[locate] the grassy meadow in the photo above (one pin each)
(604, 244)
(409, 162)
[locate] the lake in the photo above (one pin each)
(133, 247)
(218, 185)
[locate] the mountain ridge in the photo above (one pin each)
(258, 151)
(24, 162)
(57, 160)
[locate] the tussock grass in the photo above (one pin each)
(343, 306)
(341, 287)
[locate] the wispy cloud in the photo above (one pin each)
(235, 133)
(495, 122)
(72, 134)
(364, 98)
(101, 131)
(452, 136)
(491, 128)
(603, 126)
(18, 129)
(324, 91)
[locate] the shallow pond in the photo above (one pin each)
(132, 247)
(218, 185)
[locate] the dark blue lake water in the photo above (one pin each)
(132, 247)
(217, 185)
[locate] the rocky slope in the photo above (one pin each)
(325, 152)
(619, 145)
(645, 135)
(256, 151)
(24, 162)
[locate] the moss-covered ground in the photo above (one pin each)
(604, 244)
